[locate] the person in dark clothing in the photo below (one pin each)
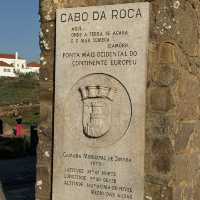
(1, 127)
(34, 139)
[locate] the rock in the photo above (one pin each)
(183, 136)
(161, 99)
(187, 96)
(167, 53)
(8, 130)
(163, 152)
(165, 75)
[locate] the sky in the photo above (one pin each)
(19, 28)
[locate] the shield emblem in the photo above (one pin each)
(96, 116)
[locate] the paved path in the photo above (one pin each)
(18, 178)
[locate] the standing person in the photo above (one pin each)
(18, 127)
(34, 139)
(1, 127)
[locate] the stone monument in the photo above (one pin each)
(100, 92)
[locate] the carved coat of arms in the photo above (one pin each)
(97, 110)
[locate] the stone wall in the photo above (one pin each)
(172, 161)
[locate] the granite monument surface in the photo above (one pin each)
(100, 87)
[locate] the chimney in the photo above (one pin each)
(16, 55)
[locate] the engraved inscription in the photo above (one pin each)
(100, 87)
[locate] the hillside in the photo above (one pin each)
(19, 91)
(19, 97)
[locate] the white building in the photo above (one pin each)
(6, 70)
(11, 65)
(33, 67)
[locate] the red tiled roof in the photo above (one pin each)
(8, 56)
(4, 64)
(33, 64)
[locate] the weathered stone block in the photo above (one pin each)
(44, 154)
(165, 75)
(183, 191)
(195, 138)
(107, 2)
(163, 153)
(45, 111)
(196, 188)
(158, 124)
(184, 133)
(72, 3)
(154, 191)
(167, 53)
(186, 27)
(43, 185)
(148, 155)
(47, 10)
(186, 167)
(186, 97)
(161, 99)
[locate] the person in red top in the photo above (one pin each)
(18, 127)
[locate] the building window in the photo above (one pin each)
(6, 70)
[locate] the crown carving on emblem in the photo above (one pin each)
(97, 91)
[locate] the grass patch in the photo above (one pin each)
(30, 118)
(18, 90)
(23, 90)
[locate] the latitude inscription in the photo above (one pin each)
(100, 86)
